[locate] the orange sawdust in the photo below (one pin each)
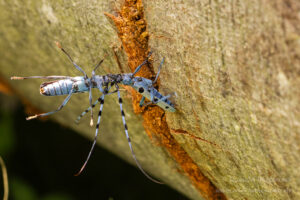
(132, 30)
(160, 128)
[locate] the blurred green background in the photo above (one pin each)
(42, 157)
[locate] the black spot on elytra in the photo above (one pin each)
(167, 107)
(141, 90)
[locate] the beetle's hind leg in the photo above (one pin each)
(59, 108)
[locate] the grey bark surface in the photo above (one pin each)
(234, 65)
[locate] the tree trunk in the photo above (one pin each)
(234, 66)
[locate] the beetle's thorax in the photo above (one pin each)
(102, 81)
(114, 78)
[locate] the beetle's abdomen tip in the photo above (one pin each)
(43, 92)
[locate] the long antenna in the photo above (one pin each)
(130, 145)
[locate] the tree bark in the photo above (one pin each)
(235, 67)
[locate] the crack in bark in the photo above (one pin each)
(183, 132)
(132, 30)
